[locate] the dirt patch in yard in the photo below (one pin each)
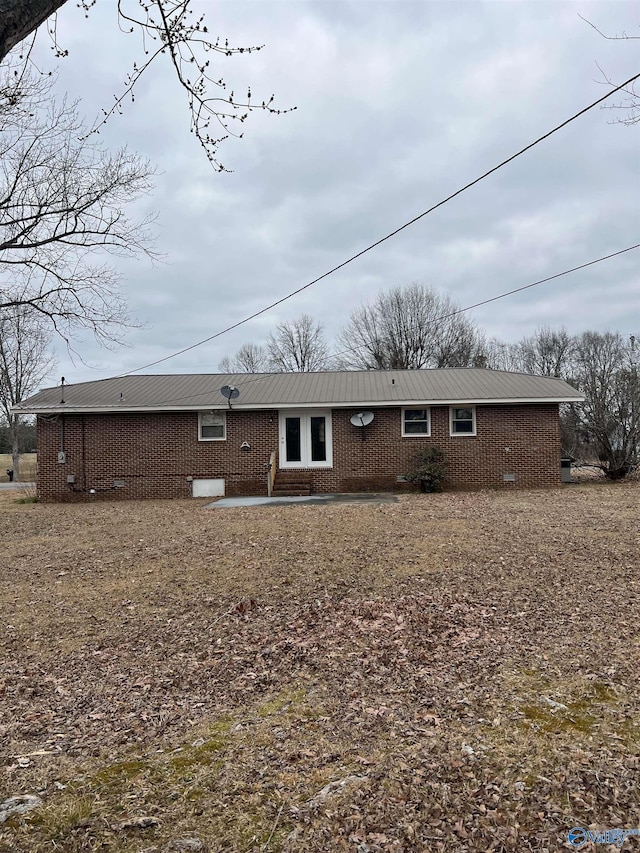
(451, 672)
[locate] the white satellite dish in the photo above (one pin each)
(362, 419)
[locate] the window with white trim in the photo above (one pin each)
(212, 426)
(463, 420)
(416, 422)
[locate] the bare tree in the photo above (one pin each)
(631, 102)
(605, 429)
(409, 328)
(24, 363)
(548, 352)
(250, 358)
(503, 355)
(606, 372)
(62, 205)
(298, 347)
(168, 28)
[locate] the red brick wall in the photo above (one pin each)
(155, 453)
(532, 434)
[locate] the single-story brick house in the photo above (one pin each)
(176, 436)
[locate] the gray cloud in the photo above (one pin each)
(399, 104)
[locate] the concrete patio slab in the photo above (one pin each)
(359, 497)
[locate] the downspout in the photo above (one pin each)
(84, 469)
(61, 456)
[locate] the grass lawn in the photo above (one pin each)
(28, 465)
(448, 673)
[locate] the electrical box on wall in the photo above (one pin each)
(62, 457)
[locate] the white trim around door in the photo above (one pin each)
(305, 439)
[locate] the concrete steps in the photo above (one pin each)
(292, 484)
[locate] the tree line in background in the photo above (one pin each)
(28, 438)
(415, 327)
(405, 328)
(605, 429)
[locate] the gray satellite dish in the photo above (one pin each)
(230, 392)
(362, 419)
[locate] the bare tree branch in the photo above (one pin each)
(168, 28)
(62, 206)
(632, 103)
(622, 37)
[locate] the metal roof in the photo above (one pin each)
(332, 389)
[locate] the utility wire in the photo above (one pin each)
(536, 283)
(388, 236)
(491, 299)
(260, 377)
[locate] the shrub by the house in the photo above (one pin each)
(429, 470)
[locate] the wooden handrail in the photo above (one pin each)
(271, 476)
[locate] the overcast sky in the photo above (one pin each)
(398, 105)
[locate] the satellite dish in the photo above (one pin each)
(362, 419)
(230, 392)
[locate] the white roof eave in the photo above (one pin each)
(120, 407)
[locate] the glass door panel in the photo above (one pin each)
(318, 439)
(293, 443)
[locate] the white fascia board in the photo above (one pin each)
(110, 410)
(454, 401)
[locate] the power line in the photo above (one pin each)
(388, 236)
(499, 296)
(536, 283)
(262, 376)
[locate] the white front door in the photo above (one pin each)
(305, 440)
